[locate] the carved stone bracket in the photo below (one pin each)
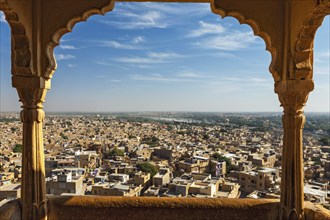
(303, 58)
(241, 10)
(293, 95)
(20, 49)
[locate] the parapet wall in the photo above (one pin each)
(151, 208)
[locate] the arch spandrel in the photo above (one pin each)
(284, 26)
(304, 44)
(20, 50)
(61, 23)
(44, 22)
(256, 15)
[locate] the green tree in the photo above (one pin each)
(151, 141)
(18, 148)
(116, 152)
(325, 141)
(221, 158)
(147, 168)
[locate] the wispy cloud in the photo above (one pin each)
(244, 79)
(126, 43)
(151, 58)
(102, 76)
(322, 57)
(321, 70)
(158, 77)
(68, 47)
(230, 41)
(64, 57)
(2, 17)
(112, 64)
(116, 80)
(71, 65)
(132, 21)
(206, 29)
(154, 15)
(138, 39)
(189, 74)
(118, 45)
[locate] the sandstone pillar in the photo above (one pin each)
(293, 96)
(32, 92)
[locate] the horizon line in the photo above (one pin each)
(167, 111)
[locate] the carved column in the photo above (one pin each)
(32, 92)
(293, 95)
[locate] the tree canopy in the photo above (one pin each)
(221, 158)
(116, 152)
(147, 168)
(18, 148)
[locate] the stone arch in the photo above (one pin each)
(67, 28)
(304, 46)
(242, 19)
(20, 48)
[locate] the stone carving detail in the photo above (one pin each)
(32, 106)
(34, 202)
(21, 54)
(293, 95)
(256, 30)
(68, 28)
(303, 58)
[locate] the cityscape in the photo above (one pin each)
(167, 154)
(165, 110)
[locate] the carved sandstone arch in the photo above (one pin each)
(304, 48)
(69, 25)
(37, 27)
(20, 49)
(256, 30)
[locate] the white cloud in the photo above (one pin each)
(165, 55)
(321, 70)
(118, 45)
(115, 80)
(138, 39)
(206, 29)
(230, 41)
(155, 15)
(2, 17)
(102, 76)
(322, 57)
(132, 21)
(244, 79)
(68, 47)
(189, 74)
(158, 77)
(139, 60)
(64, 57)
(72, 65)
(151, 58)
(122, 43)
(258, 80)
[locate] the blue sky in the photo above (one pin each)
(164, 57)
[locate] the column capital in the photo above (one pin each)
(31, 82)
(293, 94)
(32, 92)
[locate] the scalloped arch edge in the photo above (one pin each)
(52, 65)
(257, 32)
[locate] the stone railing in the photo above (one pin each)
(98, 207)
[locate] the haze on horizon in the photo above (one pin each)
(173, 57)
